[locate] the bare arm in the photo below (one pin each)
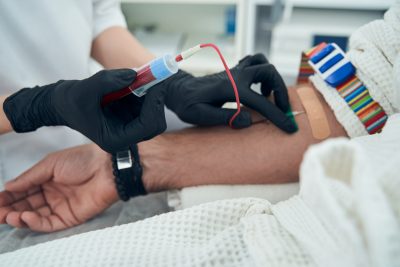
(83, 178)
(197, 156)
(259, 154)
(117, 48)
(5, 125)
(256, 155)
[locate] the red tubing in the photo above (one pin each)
(235, 90)
(144, 76)
(179, 58)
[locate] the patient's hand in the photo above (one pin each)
(63, 190)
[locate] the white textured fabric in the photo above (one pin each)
(374, 49)
(42, 42)
(343, 113)
(346, 214)
(192, 196)
(396, 78)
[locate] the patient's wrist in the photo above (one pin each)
(159, 164)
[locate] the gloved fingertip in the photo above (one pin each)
(282, 101)
(243, 120)
(290, 126)
(284, 106)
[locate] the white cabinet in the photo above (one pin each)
(176, 25)
(283, 29)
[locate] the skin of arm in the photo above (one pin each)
(215, 155)
(116, 48)
(219, 155)
(71, 186)
(45, 199)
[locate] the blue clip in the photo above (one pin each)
(332, 65)
(341, 75)
(323, 53)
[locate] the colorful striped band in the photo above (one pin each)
(353, 92)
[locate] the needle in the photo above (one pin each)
(295, 113)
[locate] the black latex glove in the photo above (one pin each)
(125, 109)
(199, 100)
(77, 104)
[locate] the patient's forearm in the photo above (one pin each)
(5, 125)
(220, 155)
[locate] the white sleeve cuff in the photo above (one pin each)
(343, 113)
(106, 14)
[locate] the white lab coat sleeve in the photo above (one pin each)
(106, 14)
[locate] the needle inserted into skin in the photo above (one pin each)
(295, 113)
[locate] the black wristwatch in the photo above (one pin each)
(128, 173)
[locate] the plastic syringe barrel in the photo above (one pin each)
(147, 76)
(156, 71)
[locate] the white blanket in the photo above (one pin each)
(191, 196)
(346, 214)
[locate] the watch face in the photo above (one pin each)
(124, 160)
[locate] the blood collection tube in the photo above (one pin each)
(147, 76)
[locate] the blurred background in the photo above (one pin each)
(280, 29)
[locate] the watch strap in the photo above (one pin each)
(128, 173)
(331, 63)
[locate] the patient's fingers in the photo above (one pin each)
(31, 202)
(10, 214)
(36, 200)
(20, 202)
(4, 211)
(37, 175)
(37, 222)
(44, 211)
(7, 198)
(14, 219)
(21, 205)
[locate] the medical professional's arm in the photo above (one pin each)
(117, 48)
(77, 104)
(5, 125)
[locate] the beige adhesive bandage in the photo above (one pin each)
(315, 113)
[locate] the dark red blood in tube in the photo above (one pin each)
(143, 76)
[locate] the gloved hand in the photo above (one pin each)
(77, 104)
(199, 100)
